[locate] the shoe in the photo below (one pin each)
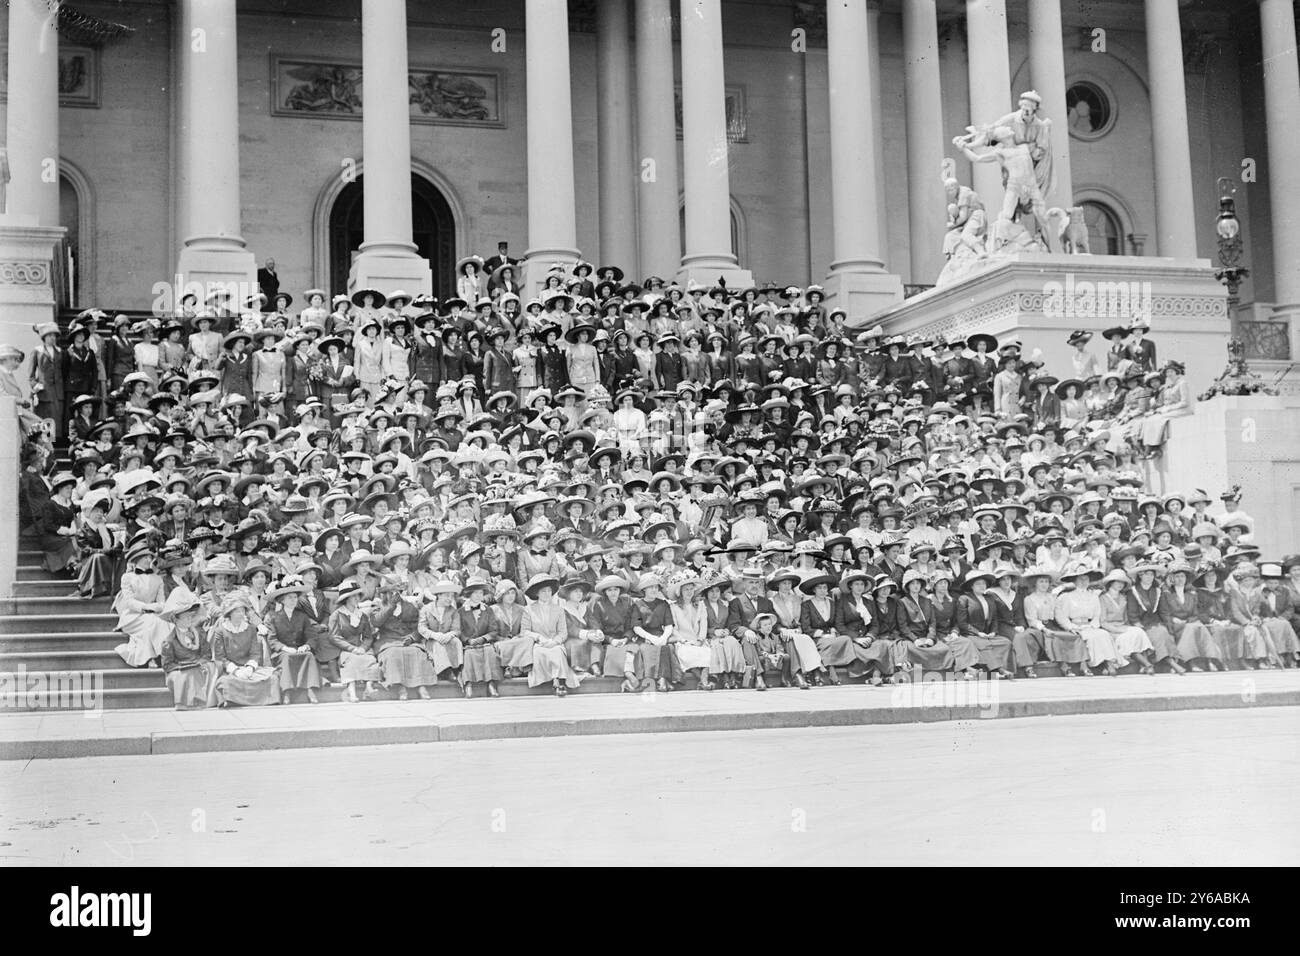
(834, 676)
(801, 682)
(1177, 667)
(403, 694)
(468, 690)
(760, 684)
(311, 696)
(492, 689)
(424, 693)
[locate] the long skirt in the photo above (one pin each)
(840, 651)
(1101, 646)
(59, 551)
(1281, 636)
(692, 656)
(355, 667)
(994, 652)
(620, 658)
(583, 653)
(1064, 647)
(965, 654)
(549, 664)
(804, 656)
(445, 657)
(885, 654)
(1027, 646)
(194, 685)
(249, 693)
(1231, 641)
(1129, 640)
(298, 671)
(100, 571)
(726, 656)
(515, 652)
(407, 665)
(146, 634)
(1163, 644)
(1195, 640)
(937, 657)
(481, 664)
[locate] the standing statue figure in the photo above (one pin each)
(1032, 129)
(964, 243)
(1022, 194)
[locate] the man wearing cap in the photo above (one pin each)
(1032, 129)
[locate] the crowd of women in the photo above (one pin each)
(671, 487)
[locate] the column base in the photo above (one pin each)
(862, 294)
(218, 267)
(537, 262)
(707, 273)
(389, 268)
(28, 274)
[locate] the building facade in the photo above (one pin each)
(791, 141)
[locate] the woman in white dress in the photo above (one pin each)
(139, 605)
(469, 279)
(315, 313)
(1078, 611)
(690, 626)
(630, 423)
(788, 604)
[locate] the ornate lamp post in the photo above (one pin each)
(1228, 227)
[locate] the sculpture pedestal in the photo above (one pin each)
(707, 275)
(1042, 297)
(28, 273)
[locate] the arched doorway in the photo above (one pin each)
(433, 231)
(70, 219)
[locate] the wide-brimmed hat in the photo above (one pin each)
(539, 581)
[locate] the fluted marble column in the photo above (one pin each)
(658, 214)
(213, 252)
(1047, 74)
(618, 168)
(705, 169)
(387, 259)
(1175, 212)
(857, 281)
(926, 206)
(552, 202)
(1282, 119)
(990, 83)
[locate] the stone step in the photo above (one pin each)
(54, 606)
(30, 556)
(51, 587)
(115, 698)
(60, 642)
(32, 571)
(105, 677)
(94, 659)
(25, 623)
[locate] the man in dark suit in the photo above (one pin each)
(749, 602)
(268, 283)
(500, 259)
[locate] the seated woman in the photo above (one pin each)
(544, 623)
(399, 646)
(1064, 647)
(854, 616)
(1212, 610)
(1130, 640)
(1267, 639)
(56, 526)
(515, 652)
(1144, 611)
(478, 635)
(439, 627)
(139, 607)
(1078, 611)
(918, 631)
(187, 654)
(584, 638)
(101, 553)
(978, 617)
(817, 619)
(690, 627)
(805, 659)
(728, 658)
(289, 630)
(243, 658)
(1179, 613)
(884, 611)
(611, 614)
(352, 633)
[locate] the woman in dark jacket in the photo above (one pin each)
(80, 367)
(552, 364)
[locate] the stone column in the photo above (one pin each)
(1047, 74)
(212, 253)
(658, 220)
(1175, 213)
(618, 167)
(926, 205)
(990, 85)
(387, 259)
(1281, 120)
(552, 209)
(10, 468)
(877, 114)
(33, 113)
(708, 252)
(30, 234)
(857, 281)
